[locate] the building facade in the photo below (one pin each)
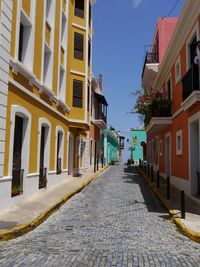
(109, 145)
(98, 120)
(138, 145)
(45, 87)
(173, 134)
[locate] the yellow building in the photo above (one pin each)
(44, 119)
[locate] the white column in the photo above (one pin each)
(5, 39)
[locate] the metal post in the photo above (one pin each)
(198, 184)
(183, 204)
(97, 164)
(140, 163)
(168, 187)
(102, 162)
(152, 173)
(148, 169)
(158, 179)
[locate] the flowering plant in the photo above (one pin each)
(143, 104)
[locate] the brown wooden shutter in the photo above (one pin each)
(79, 8)
(78, 45)
(77, 93)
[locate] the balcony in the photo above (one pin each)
(161, 116)
(150, 68)
(100, 114)
(191, 87)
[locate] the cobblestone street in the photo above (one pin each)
(115, 221)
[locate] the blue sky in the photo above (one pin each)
(121, 30)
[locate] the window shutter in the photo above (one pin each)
(21, 40)
(78, 45)
(79, 8)
(77, 93)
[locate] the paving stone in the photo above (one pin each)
(115, 221)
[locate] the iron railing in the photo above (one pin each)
(43, 178)
(161, 108)
(17, 182)
(190, 81)
(150, 58)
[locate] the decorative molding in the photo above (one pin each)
(79, 26)
(77, 73)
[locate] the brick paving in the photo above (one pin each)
(114, 222)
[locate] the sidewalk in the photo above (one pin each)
(25, 217)
(190, 226)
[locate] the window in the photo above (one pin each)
(169, 89)
(179, 143)
(89, 53)
(79, 8)
(78, 45)
(21, 41)
(178, 70)
(192, 50)
(77, 93)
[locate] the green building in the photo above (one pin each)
(138, 145)
(109, 145)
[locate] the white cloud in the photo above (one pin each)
(136, 3)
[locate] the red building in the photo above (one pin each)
(172, 69)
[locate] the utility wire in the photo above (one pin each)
(171, 9)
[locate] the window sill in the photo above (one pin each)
(18, 67)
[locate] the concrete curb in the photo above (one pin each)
(184, 229)
(25, 228)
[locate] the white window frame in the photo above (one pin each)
(22, 112)
(178, 75)
(47, 124)
(169, 78)
(179, 134)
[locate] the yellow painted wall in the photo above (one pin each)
(56, 67)
(26, 5)
(37, 67)
(16, 97)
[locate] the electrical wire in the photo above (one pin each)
(167, 15)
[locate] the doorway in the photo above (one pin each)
(70, 154)
(17, 171)
(168, 155)
(194, 156)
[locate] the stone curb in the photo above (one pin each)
(25, 228)
(184, 229)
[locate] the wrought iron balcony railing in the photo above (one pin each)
(150, 58)
(190, 81)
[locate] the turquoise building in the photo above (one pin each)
(138, 145)
(109, 145)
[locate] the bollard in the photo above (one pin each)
(140, 163)
(152, 173)
(145, 168)
(148, 170)
(198, 184)
(168, 188)
(158, 179)
(97, 164)
(102, 162)
(183, 204)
